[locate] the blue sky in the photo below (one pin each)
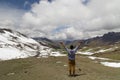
(61, 19)
(20, 4)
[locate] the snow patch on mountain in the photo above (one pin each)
(56, 54)
(11, 53)
(14, 45)
(105, 50)
(85, 53)
(91, 51)
(94, 58)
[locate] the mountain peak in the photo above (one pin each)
(111, 37)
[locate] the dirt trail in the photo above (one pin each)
(55, 68)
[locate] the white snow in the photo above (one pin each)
(85, 53)
(10, 74)
(11, 53)
(65, 65)
(14, 45)
(56, 54)
(47, 53)
(20, 37)
(44, 53)
(93, 58)
(5, 40)
(27, 40)
(89, 50)
(104, 50)
(111, 64)
(58, 62)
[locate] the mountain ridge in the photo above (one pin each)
(106, 39)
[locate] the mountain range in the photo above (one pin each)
(15, 45)
(107, 39)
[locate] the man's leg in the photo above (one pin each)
(70, 67)
(73, 70)
(73, 67)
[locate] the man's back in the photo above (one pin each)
(71, 53)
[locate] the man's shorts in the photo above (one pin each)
(72, 62)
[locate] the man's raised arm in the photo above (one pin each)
(62, 44)
(78, 46)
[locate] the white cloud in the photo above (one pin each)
(10, 17)
(6, 24)
(71, 19)
(69, 33)
(48, 16)
(95, 18)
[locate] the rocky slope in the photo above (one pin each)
(16, 45)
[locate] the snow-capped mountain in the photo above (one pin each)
(16, 45)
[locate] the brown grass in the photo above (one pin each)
(49, 69)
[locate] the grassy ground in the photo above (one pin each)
(55, 69)
(110, 54)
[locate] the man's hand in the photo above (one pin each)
(62, 44)
(79, 43)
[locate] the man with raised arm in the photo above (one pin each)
(71, 57)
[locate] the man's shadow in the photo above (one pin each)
(79, 74)
(76, 75)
